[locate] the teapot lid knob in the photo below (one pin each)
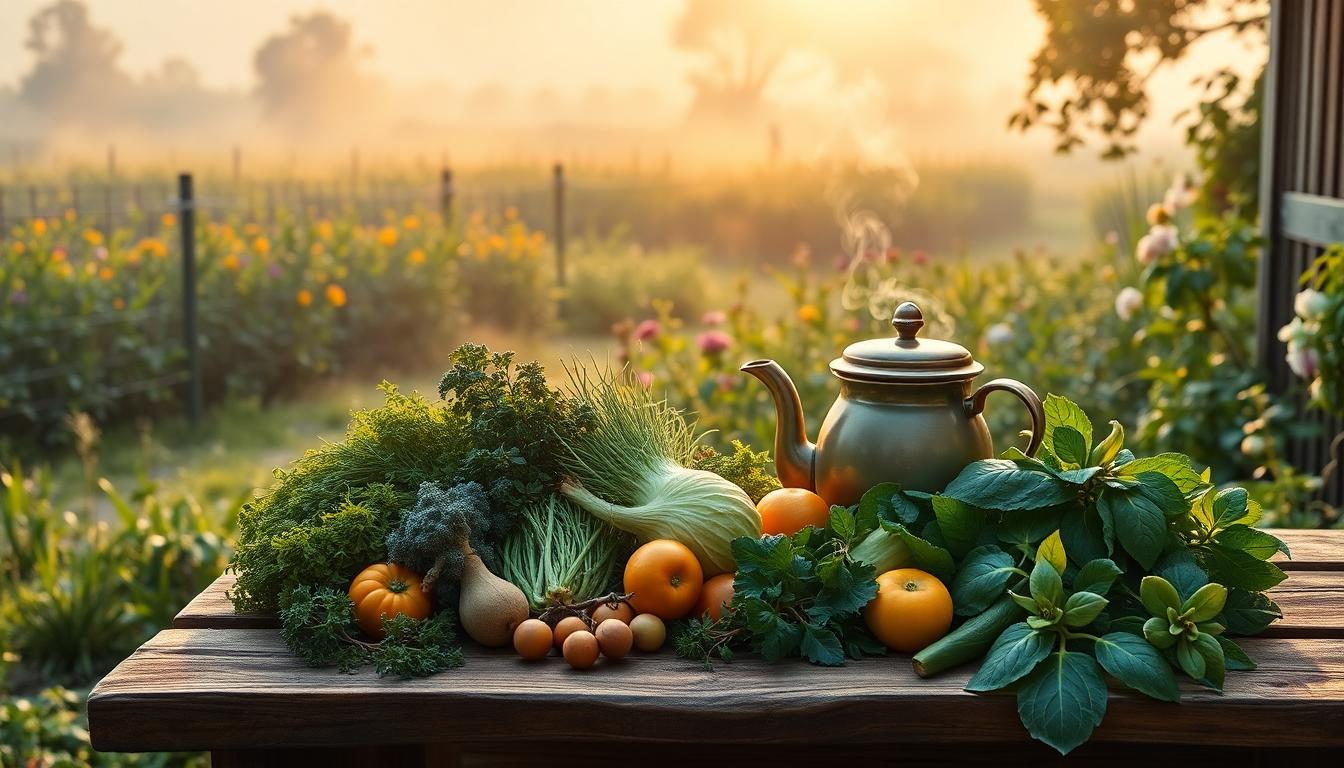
(908, 320)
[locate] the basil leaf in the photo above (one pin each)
(1157, 595)
(1215, 666)
(1078, 476)
(1046, 585)
(1063, 412)
(1234, 658)
(886, 501)
(1234, 568)
(1070, 446)
(959, 523)
(1096, 576)
(1082, 607)
(1138, 523)
(1248, 613)
(1026, 527)
(1063, 700)
(1002, 484)
(1175, 466)
(1014, 654)
(1205, 604)
(1163, 493)
(1252, 541)
(1190, 659)
(1132, 661)
(981, 579)
(1051, 551)
(928, 557)
(1230, 506)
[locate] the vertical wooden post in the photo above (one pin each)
(446, 194)
(32, 202)
(237, 164)
(111, 160)
(187, 221)
(559, 226)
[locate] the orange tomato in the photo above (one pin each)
(717, 593)
(566, 627)
(790, 510)
(911, 610)
(621, 611)
(387, 589)
(665, 579)
(532, 639)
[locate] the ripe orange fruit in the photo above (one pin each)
(387, 589)
(790, 510)
(911, 610)
(665, 579)
(716, 593)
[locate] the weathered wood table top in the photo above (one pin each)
(225, 682)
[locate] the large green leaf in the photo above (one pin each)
(1248, 613)
(1063, 700)
(1063, 412)
(1047, 588)
(1234, 568)
(1230, 506)
(1096, 576)
(1162, 492)
(1027, 527)
(981, 580)
(1138, 523)
(1070, 446)
(928, 557)
(1005, 485)
(1134, 662)
(1014, 654)
(1175, 466)
(1252, 541)
(1082, 607)
(959, 523)
(886, 501)
(1179, 567)
(1051, 550)
(1083, 534)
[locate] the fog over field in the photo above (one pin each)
(690, 84)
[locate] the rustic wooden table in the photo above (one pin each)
(224, 682)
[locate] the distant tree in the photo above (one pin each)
(76, 75)
(745, 41)
(1090, 76)
(311, 76)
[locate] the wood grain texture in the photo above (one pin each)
(1313, 606)
(1313, 550)
(240, 688)
(212, 609)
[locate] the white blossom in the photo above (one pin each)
(1303, 360)
(1128, 301)
(1311, 304)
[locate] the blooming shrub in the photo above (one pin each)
(1315, 337)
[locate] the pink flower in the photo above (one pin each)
(893, 255)
(647, 330)
(1160, 241)
(714, 342)
(1112, 238)
(273, 270)
(645, 379)
(727, 382)
(1303, 360)
(714, 317)
(100, 253)
(841, 262)
(920, 257)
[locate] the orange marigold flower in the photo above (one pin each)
(168, 220)
(416, 257)
(304, 297)
(809, 314)
(410, 222)
(118, 303)
(324, 229)
(93, 237)
(387, 236)
(17, 248)
(39, 227)
(232, 263)
(105, 274)
(335, 295)
(261, 245)
(70, 214)
(315, 249)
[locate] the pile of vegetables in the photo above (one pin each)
(588, 521)
(507, 498)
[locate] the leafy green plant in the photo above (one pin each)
(800, 595)
(1137, 568)
(1313, 350)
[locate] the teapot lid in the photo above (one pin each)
(907, 358)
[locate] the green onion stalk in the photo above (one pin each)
(559, 554)
(628, 469)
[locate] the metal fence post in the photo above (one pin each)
(559, 225)
(446, 194)
(187, 221)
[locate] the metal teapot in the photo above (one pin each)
(906, 413)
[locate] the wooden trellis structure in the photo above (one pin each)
(1302, 191)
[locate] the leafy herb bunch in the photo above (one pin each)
(1088, 560)
(800, 595)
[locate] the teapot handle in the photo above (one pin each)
(975, 404)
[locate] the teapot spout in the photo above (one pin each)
(794, 455)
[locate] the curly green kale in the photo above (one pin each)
(435, 534)
(318, 626)
(396, 446)
(745, 468)
(513, 419)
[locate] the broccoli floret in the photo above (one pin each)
(435, 534)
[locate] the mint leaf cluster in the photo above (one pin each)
(1087, 562)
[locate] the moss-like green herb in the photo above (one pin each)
(745, 468)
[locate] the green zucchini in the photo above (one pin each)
(971, 640)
